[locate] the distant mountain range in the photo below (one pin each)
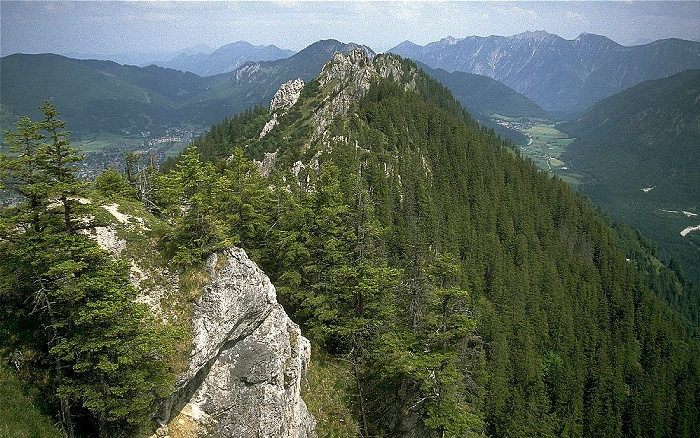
(562, 76)
(105, 96)
(640, 153)
(224, 59)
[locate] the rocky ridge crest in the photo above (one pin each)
(349, 77)
(247, 360)
(287, 95)
(285, 98)
(344, 80)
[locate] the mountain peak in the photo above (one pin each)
(331, 46)
(349, 77)
(450, 40)
(539, 35)
(225, 59)
(591, 38)
(357, 67)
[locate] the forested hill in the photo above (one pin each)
(454, 289)
(484, 95)
(471, 293)
(639, 152)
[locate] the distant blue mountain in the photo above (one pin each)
(224, 59)
(562, 76)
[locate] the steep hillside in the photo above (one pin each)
(464, 292)
(225, 59)
(562, 76)
(483, 95)
(639, 151)
(90, 98)
(468, 291)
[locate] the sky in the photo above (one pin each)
(123, 27)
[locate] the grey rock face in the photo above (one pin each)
(247, 363)
(287, 95)
(285, 98)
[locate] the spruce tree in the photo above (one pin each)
(66, 300)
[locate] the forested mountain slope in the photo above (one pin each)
(481, 94)
(466, 292)
(95, 95)
(639, 151)
(485, 97)
(470, 292)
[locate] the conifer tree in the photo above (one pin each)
(59, 158)
(23, 174)
(68, 301)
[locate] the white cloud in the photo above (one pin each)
(410, 12)
(516, 13)
(576, 17)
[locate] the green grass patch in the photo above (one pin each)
(329, 393)
(100, 141)
(555, 162)
(545, 143)
(176, 148)
(545, 146)
(20, 414)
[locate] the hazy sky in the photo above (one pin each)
(110, 27)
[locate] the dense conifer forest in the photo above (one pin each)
(471, 293)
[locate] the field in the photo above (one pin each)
(99, 142)
(545, 146)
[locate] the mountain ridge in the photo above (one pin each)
(149, 98)
(564, 76)
(402, 183)
(225, 59)
(464, 291)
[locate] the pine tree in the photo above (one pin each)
(24, 174)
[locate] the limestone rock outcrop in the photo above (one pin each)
(285, 98)
(247, 363)
(287, 95)
(350, 77)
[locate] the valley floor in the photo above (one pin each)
(544, 147)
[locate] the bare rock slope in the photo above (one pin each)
(247, 363)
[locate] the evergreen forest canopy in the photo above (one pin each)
(471, 293)
(639, 150)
